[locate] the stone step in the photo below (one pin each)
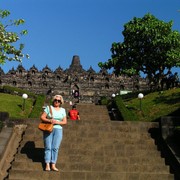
(94, 166)
(112, 160)
(93, 148)
(30, 157)
(121, 125)
(38, 153)
(106, 135)
(108, 125)
(99, 134)
(79, 127)
(27, 166)
(33, 137)
(88, 135)
(94, 112)
(39, 175)
(5, 135)
(94, 118)
(117, 153)
(86, 108)
(94, 143)
(39, 157)
(24, 158)
(97, 146)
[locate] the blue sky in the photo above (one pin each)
(60, 29)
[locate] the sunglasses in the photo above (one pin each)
(57, 100)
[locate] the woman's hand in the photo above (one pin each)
(53, 121)
(63, 122)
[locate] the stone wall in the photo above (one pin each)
(88, 83)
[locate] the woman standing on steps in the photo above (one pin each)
(53, 140)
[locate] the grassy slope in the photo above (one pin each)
(156, 104)
(13, 105)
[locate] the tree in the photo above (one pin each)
(150, 46)
(8, 46)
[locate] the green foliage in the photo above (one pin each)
(13, 105)
(155, 105)
(16, 91)
(104, 100)
(37, 109)
(150, 46)
(134, 95)
(125, 113)
(33, 105)
(8, 50)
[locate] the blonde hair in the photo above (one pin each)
(60, 97)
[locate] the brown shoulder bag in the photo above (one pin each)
(45, 126)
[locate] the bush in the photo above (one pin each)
(37, 108)
(125, 113)
(133, 95)
(104, 100)
(17, 91)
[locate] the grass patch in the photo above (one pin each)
(13, 105)
(155, 105)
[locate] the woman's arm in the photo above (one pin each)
(44, 118)
(63, 122)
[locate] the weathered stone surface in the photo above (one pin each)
(89, 85)
(93, 148)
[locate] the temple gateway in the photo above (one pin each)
(73, 83)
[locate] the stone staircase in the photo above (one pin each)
(94, 148)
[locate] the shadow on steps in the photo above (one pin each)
(33, 153)
(165, 152)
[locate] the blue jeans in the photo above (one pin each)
(52, 142)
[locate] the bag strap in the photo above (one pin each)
(50, 110)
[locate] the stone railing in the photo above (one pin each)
(170, 141)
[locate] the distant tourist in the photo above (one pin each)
(74, 113)
(70, 103)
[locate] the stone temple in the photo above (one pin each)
(73, 82)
